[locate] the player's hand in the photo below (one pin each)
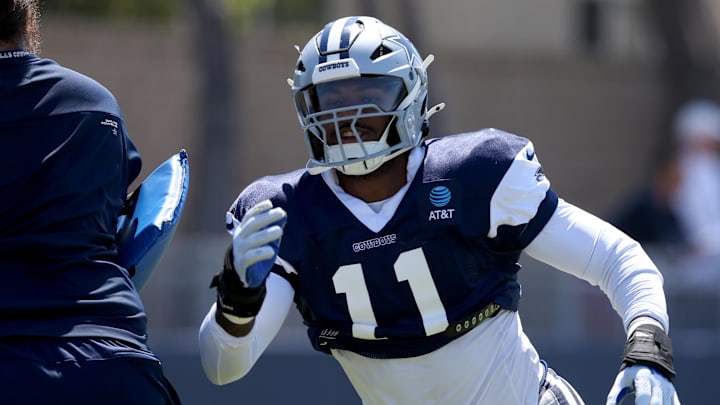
(647, 385)
(256, 241)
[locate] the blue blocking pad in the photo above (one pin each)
(150, 217)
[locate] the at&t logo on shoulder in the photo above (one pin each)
(440, 196)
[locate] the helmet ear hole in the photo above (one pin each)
(425, 129)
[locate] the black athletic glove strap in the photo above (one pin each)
(650, 346)
(232, 297)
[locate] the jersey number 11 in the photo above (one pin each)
(410, 266)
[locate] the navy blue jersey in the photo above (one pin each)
(67, 164)
(408, 288)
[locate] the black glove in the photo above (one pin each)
(232, 297)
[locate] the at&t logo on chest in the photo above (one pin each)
(440, 197)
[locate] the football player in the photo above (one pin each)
(401, 251)
(73, 329)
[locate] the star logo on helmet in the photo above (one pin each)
(407, 46)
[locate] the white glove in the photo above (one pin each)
(648, 386)
(256, 241)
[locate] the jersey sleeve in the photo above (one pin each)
(522, 202)
(276, 188)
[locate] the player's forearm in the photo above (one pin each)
(602, 255)
(630, 279)
(226, 357)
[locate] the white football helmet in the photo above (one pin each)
(354, 69)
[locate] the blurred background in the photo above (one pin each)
(594, 83)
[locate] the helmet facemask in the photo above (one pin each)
(350, 124)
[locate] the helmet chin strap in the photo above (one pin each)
(369, 165)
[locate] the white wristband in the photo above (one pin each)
(238, 319)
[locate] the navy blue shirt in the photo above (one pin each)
(66, 167)
(431, 267)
